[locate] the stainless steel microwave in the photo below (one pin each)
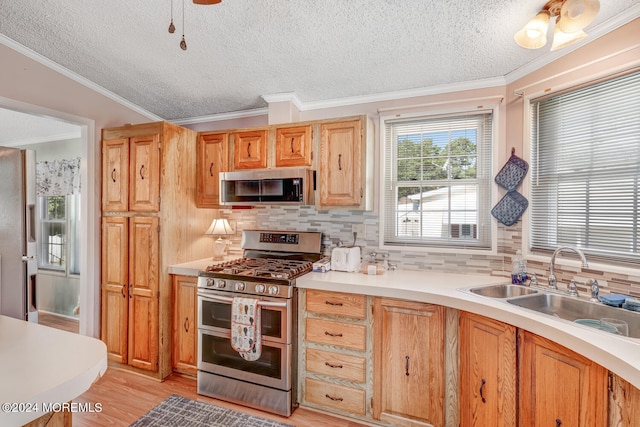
(268, 187)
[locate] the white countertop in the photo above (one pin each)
(39, 364)
(618, 354)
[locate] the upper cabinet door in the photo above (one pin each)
(250, 149)
(213, 154)
(341, 162)
(144, 189)
(293, 146)
(115, 175)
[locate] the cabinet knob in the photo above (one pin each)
(558, 422)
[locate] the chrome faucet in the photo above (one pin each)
(595, 290)
(552, 272)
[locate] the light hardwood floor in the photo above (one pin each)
(58, 322)
(126, 396)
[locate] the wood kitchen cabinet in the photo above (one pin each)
(130, 290)
(131, 174)
(624, 403)
(346, 165)
(250, 149)
(185, 324)
(293, 146)
(212, 158)
(335, 352)
(159, 225)
(559, 387)
(409, 363)
(488, 374)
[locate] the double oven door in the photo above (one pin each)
(216, 356)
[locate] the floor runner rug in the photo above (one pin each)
(178, 411)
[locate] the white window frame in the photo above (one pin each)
(494, 109)
(70, 229)
(528, 98)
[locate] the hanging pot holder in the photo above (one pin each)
(509, 210)
(513, 172)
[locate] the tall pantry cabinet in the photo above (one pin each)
(149, 221)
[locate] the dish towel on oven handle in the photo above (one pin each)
(245, 328)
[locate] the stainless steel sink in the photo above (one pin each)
(502, 291)
(571, 309)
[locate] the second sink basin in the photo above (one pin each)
(571, 309)
(502, 291)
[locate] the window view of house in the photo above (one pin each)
(437, 168)
(59, 243)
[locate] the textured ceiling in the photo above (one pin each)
(239, 50)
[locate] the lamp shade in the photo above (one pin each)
(219, 227)
(577, 14)
(534, 34)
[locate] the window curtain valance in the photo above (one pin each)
(58, 177)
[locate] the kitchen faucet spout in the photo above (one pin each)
(552, 270)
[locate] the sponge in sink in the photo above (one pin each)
(614, 300)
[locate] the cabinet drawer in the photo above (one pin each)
(349, 305)
(335, 396)
(336, 333)
(335, 364)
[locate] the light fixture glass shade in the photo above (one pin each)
(577, 14)
(534, 34)
(562, 39)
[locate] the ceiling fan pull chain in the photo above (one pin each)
(183, 43)
(172, 27)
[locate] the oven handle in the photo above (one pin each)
(230, 300)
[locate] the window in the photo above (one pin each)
(59, 233)
(437, 181)
(585, 172)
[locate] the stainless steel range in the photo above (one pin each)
(271, 262)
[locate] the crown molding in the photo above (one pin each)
(12, 44)
(222, 116)
(594, 33)
(284, 97)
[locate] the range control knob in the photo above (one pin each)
(209, 282)
(260, 289)
(273, 290)
(221, 284)
(240, 286)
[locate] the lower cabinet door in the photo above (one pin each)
(559, 387)
(487, 372)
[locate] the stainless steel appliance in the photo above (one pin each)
(271, 262)
(293, 186)
(18, 265)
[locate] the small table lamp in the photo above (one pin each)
(219, 227)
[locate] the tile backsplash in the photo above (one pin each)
(336, 226)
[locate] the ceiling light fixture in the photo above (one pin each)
(572, 17)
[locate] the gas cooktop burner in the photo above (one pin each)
(263, 267)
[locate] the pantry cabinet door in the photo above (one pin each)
(115, 289)
(144, 186)
(143, 293)
(115, 175)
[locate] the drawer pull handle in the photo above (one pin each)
(141, 176)
(482, 390)
(331, 365)
(211, 169)
(332, 335)
(123, 294)
(292, 139)
(337, 304)
(339, 162)
(335, 399)
(185, 324)
(113, 175)
(249, 150)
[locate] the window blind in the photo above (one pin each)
(585, 171)
(437, 181)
